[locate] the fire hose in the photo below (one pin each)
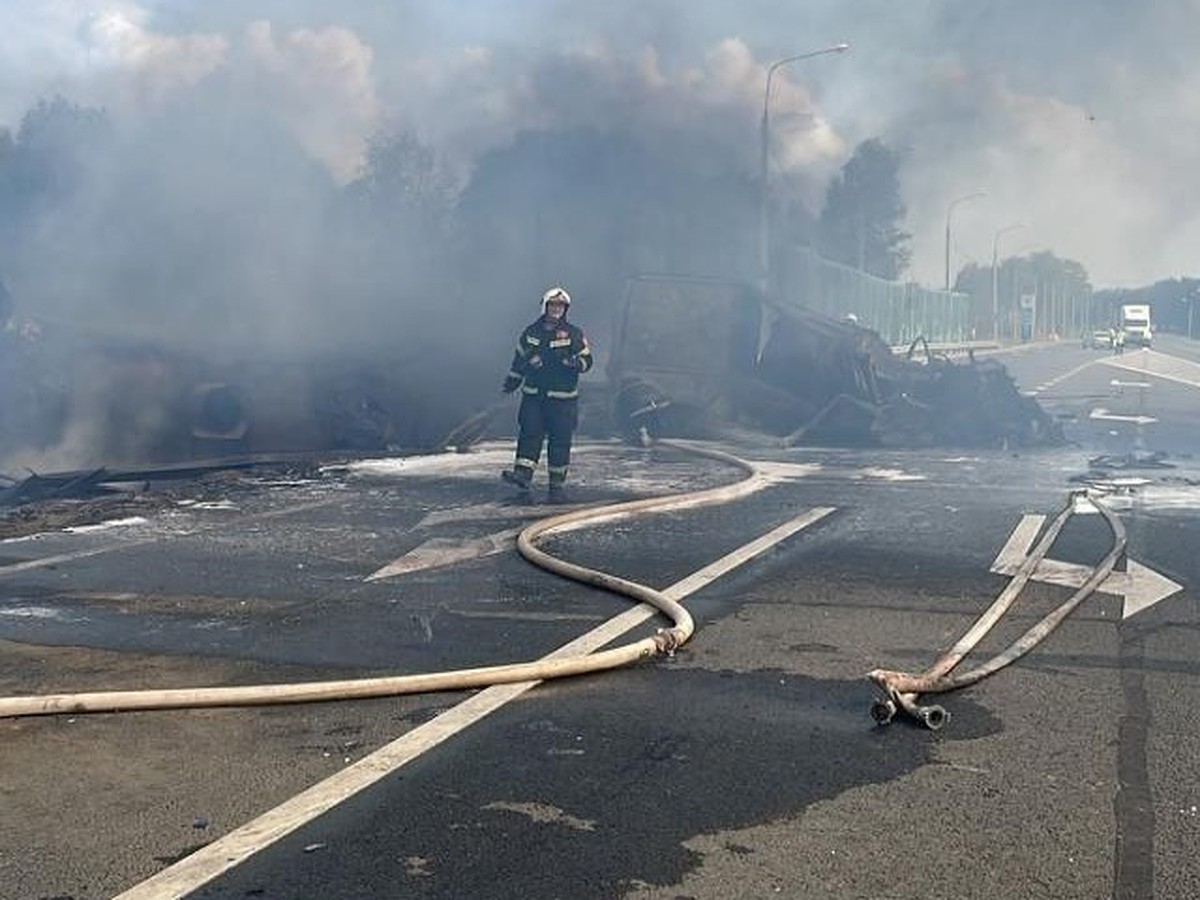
(902, 690)
(664, 642)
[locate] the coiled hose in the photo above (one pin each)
(901, 690)
(666, 641)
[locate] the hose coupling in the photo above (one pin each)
(933, 717)
(883, 710)
(668, 640)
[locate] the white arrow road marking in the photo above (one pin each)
(1158, 365)
(1013, 553)
(480, 512)
(237, 846)
(1101, 413)
(1145, 587)
(438, 552)
(1140, 586)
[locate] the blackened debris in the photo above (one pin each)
(687, 363)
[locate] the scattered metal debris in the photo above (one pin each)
(55, 501)
(48, 487)
(1156, 459)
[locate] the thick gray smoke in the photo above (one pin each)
(232, 209)
(1075, 119)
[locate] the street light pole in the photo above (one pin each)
(764, 140)
(949, 211)
(995, 278)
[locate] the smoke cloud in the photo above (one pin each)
(231, 203)
(1075, 121)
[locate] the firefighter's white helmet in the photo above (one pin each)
(556, 294)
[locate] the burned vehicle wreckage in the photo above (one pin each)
(699, 358)
(688, 357)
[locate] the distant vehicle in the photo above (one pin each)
(1135, 323)
(1101, 338)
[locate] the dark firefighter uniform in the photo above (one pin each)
(551, 354)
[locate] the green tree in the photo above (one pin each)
(860, 224)
(403, 183)
(51, 157)
(1063, 296)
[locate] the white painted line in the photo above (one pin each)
(105, 526)
(1171, 368)
(50, 561)
(238, 845)
(1020, 542)
(1046, 385)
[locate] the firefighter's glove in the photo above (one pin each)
(535, 362)
(573, 362)
(511, 383)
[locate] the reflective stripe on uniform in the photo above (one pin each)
(565, 342)
(523, 463)
(563, 395)
(529, 389)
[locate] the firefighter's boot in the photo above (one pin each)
(558, 488)
(520, 477)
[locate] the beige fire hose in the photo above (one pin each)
(901, 690)
(666, 641)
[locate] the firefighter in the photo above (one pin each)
(551, 354)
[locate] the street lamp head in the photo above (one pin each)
(965, 197)
(764, 140)
(835, 48)
(1003, 231)
(950, 212)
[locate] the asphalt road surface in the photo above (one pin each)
(747, 764)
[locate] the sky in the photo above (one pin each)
(1076, 120)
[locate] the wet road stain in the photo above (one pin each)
(637, 757)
